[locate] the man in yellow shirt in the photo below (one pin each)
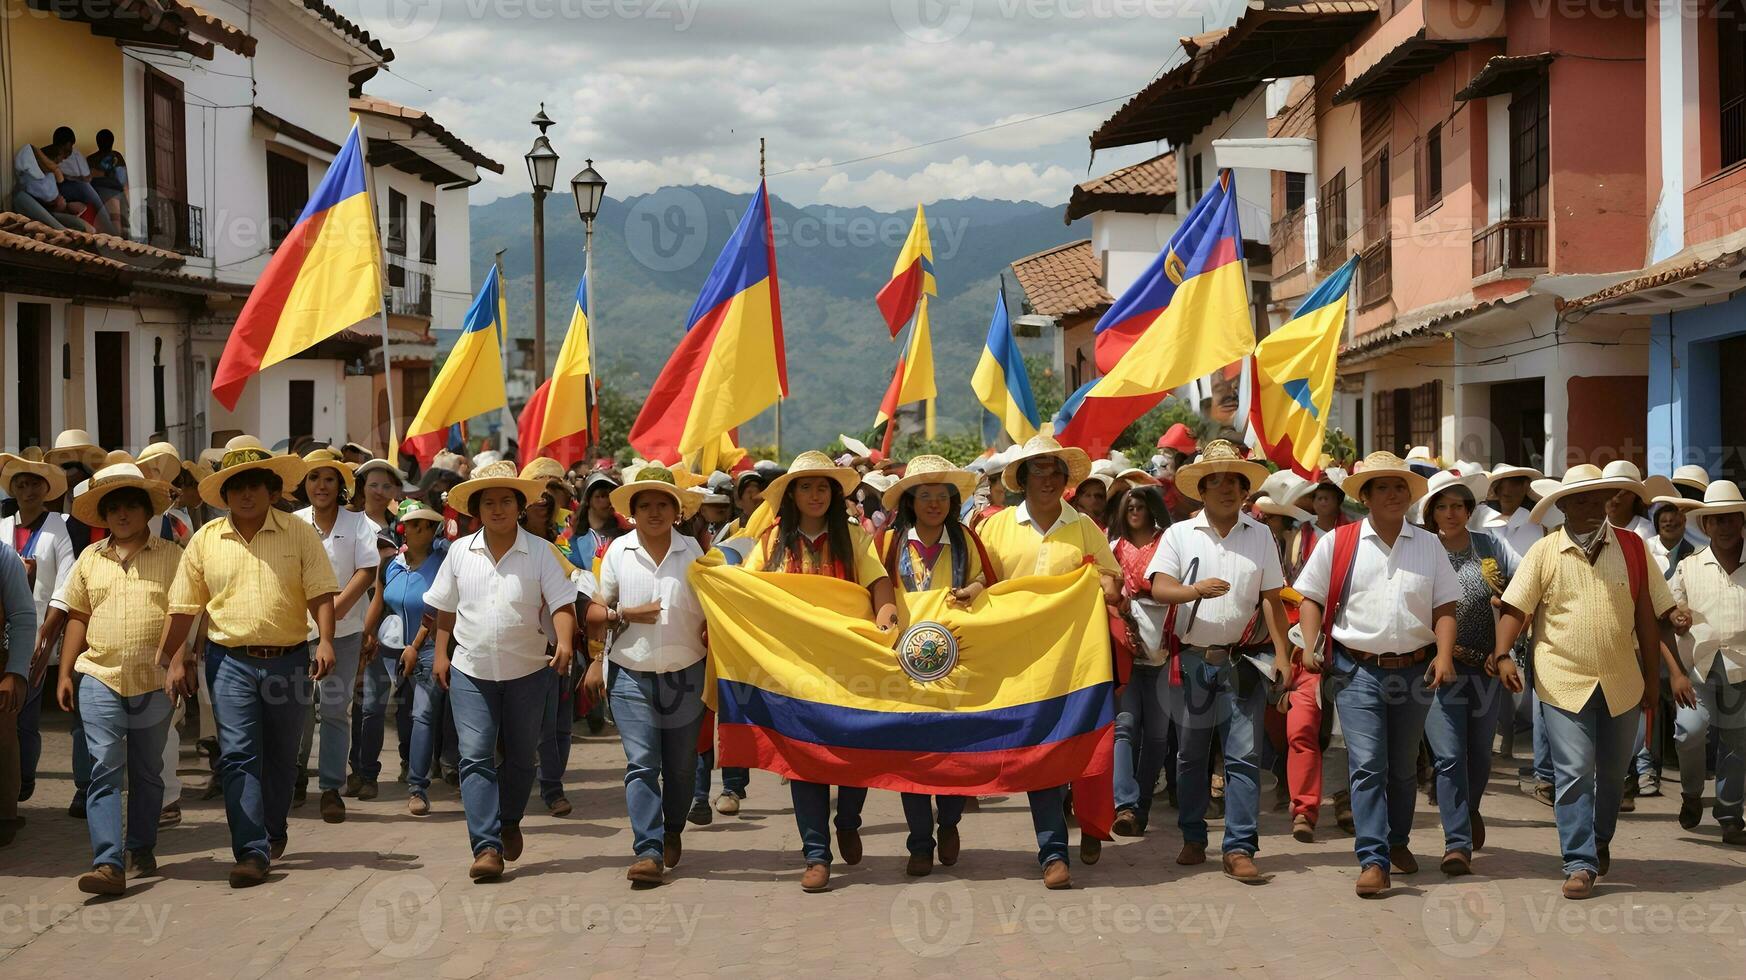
(1043, 536)
(1598, 605)
(259, 575)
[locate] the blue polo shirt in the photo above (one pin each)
(403, 591)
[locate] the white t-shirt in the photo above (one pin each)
(628, 577)
(1246, 558)
(351, 545)
(75, 166)
(31, 177)
(1388, 605)
(498, 604)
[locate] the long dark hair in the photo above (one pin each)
(788, 530)
(1115, 516)
(899, 534)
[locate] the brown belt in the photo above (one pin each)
(1221, 654)
(267, 653)
(1391, 661)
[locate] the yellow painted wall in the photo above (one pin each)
(59, 75)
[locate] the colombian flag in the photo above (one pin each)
(471, 381)
(324, 277)
(730, 365)
(911, 278)
(556, 421)
(1185, 317)
(1000, 381)
(804, 685)
(1289, 381)
(913, 381)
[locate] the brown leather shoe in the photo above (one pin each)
(672, 848)
(511, 842)
(1579, 885)
(141, 864)
(949, 844)
(1239, 866)
(1090, 848)
(1478, 829)
(816, 879)
(1456, 863)
(849, 846)
(333, 809)
(1056, 876)
(1302, 830)
(1127, 824)
(646, 871)
(919, 866)
(104, 879)
(416, 805)
(353, 784)
(487, 865)
(1372, 881)
(1191, 853)
(1402, 860)
(276, 849)
(559, 807)
(248, 872)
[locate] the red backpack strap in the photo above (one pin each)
(1340, 575)
(982, 553)
(1636, 560)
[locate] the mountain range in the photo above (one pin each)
(653, 252)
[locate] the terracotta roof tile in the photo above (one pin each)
(201, 23)
(128, 252)
(1147, 187)
(1063, 281)
(420, 120)
(30, 245)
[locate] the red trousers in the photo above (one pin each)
(1299, 731)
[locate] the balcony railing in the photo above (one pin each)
(409, 286)
(175, 225)
(1288, 242)
(1510, 245)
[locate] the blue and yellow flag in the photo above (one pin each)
(471, 381)
(1289, 380)
(1000, 381)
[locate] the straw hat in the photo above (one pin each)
(76, 446)
(1219, 456)
(1720, 497)
(32, 463)
(489, 477)
(325, 458)
(160, 461)
(1507, 471)
(1693, 476)
(1583, 478)
(1043, 444)
(1660, 487)
(930, 469)
(244, 453)
(1267, 505)
(543, 468)
(209, 458)
(1285, 489)
(812, 463)
(412, 510)
(1473, 485)
(1138, 477)
(373, 465)
(654, 476)
(1379, 464)
(88, 505)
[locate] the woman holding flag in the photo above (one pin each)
(812, 536)
(925, 550)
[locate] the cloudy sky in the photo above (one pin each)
(663, 92)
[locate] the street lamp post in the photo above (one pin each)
(542, 169)
(589, 189)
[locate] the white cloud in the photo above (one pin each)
(956, 178)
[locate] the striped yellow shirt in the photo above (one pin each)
(125, 604)
(254, 593)
(1017, 547)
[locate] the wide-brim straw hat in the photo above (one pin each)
(32, 463)
(76, 446)
(1658, 486)
(1286, 488)
(1507, 471)
(1693, 476)
(374, 465)
(1044, 444)
(809, 464)
(656, 477)
(490, 477)
(244, 453)
(1219, 456)
(1380, 464)
(1138, 477)
(325, 458)
(88, 505)
(543, 468)
(1474, 484)
(930, 469)
(160, 461)
(1721, 497)
(1582, 478)
(1267, 505)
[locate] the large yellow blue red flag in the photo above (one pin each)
(911, 278)
(558, 418)
(1000, 381)
(325, 276)
(973, 700)
(471, 381)
(913, 381)
(730, 364)
(1289, 381)
(1184, 318)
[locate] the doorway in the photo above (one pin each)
(1518, 411)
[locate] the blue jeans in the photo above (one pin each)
(333, 713)
(1459, 727)
(733, 778)
(84, 193)
(258, 706)
(1211, 700)
(919, 812)
(1591, 755)
(370, 721)
(1142, 738)
(1382, 713)
(126, 735)
(496, 796)
(1050, 822)
(557, 721)
(1646, 763)
(1722, 705)
(812, 811)
(430, 706)
(658, 715)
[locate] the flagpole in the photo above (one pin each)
(393, 454)
(503, 347)
(778, 397)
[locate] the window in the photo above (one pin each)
(1196, 179)
(287, 192)
(396, 238)
(32, 374)
(112, 361)
(1331, 216)
(1427, 414)
(1294, 191)
(1373, 191)
(1429, 170)
(427, 232)
(1530, 156)
(1731, 78)
(166, 162)
(300, 412)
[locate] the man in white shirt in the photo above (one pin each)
(1710, 589)
(488, 597)
(655, 672)
(40, 537)
(1218, 568)
(1394, 609)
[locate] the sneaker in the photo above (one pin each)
(728, 803)
(76, 809)
(104, 879)
(700, 813)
